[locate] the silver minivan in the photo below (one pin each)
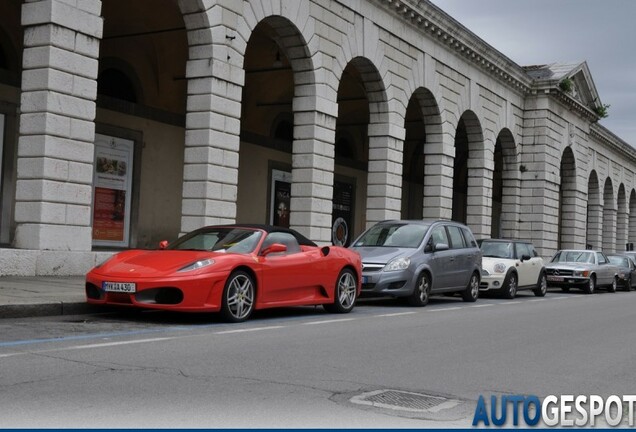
(414, 259)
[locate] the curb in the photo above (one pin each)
(46, 309)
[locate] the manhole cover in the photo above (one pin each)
(404, 401)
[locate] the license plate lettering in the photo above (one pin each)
(120, 287)
(556, 278)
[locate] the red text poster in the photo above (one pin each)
(108, 214)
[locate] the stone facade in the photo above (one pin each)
(507, 149)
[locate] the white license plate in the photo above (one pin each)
(556, 278)
(119, 287)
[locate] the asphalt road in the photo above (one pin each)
(303, 367)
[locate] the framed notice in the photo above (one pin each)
(280, 198)
(342, 216)
(112, 190)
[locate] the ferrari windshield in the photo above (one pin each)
(574, 257)
(398, 235)
(219, 239)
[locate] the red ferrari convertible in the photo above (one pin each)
(232, 269)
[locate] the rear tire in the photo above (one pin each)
(628, 284)
(471, 293)
(542, 286)
(612, 287)
(422, 291)
(345, 293)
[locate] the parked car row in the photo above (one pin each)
(236, 269)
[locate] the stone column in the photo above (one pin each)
(510, 199)
(479, 200)
(594, 226)
(622, 222)
(439, 157)
(313, 168)
(57, 129)
(384, 185)
(213, 124)
(609, 229)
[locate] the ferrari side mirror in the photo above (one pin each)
(275, 248)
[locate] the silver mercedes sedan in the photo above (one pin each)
(585, 269)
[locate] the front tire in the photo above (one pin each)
(591, 286)
(238, 297)
(612, 287)
(422, 292)
(510, 286)
(345, 293)
(542, 286)
(471, 293)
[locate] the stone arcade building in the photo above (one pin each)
(124, 123)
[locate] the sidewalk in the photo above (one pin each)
(41, 296)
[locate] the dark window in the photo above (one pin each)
(438, 235)
(468, 236)
(114, 83)
(282, 238)
(457, 240)
(523, 249)
(284, 131)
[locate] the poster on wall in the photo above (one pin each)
(342, 219)
(112, 183)
(280, 198)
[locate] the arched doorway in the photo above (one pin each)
(505, 187)
(594, 213)
(468, 139)
(609, 217)
(622, 220)
(632, 221)
(567, 201)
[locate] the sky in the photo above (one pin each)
(532, 32)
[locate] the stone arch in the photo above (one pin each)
(375, 178)
(470, 177)
(631, 239)
(622, 220)
(609, 217)
(278, 79)
(567, 201)
(423, 129)
(594, 213)
(506, 187)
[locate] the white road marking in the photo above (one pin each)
(109, 344)
(397, 314)
(481, 305)
(329, 321)
(510, 302)
(559, 298)
(253, 329)
(538, 300)
(447, 309)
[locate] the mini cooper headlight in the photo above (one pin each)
(499, 268)
(197, 265)
(397, 264)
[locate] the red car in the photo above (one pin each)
(233, 269)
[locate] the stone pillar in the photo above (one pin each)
(384, 184)
(594, 226)
(573, 213)
(479, 200)
(439, 157)
(609, 229)
(632, 224)
(213, 126)
(622, 221)
(57, 129)
(510, 199)
(313, 168)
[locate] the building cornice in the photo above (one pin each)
(440, 26)
(604, 135)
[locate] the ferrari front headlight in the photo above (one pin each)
(197, 265)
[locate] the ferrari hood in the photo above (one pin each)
(154, 263)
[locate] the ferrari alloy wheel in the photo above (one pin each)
(238, 297)
(471, 293)
(542, 286)
(345, 293)
(422, 291)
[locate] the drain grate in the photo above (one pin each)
(404, 401)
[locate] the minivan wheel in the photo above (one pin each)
(471, 293)
(422, 291)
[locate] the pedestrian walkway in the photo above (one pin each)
(41, 296)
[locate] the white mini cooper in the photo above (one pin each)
(511, 265)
